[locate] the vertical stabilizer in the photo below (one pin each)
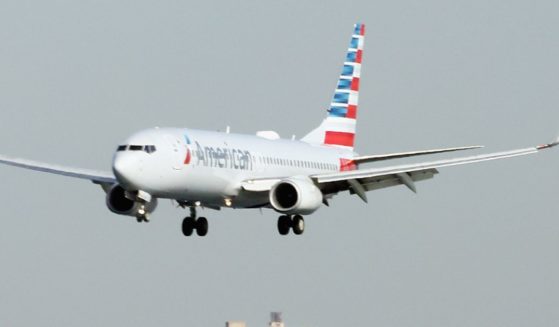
(338, 129)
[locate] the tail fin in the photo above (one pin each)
(338, 129)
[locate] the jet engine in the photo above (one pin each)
(296, 195)
(118, 203)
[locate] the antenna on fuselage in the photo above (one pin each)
(228, 129)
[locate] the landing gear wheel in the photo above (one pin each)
(298, 224)
(142, 219)
(202, 226)
(284, 224)
(188, 226)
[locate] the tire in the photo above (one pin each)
(202, 226)
(187, 226)
(298, 225)
(284, 224)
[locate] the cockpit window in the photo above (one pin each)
(145, 148)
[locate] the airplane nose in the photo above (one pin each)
(126, 170)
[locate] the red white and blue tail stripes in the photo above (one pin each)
(340, 124)
(338, 129)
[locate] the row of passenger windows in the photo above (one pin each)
(297, 163)
(263, 160)
(145, 148)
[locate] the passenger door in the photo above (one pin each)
(178, 152)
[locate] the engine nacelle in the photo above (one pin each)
(296, 195)
(118, 203)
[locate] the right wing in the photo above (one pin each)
(360, 181)
(98, 177)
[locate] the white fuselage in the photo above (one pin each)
(194, 165)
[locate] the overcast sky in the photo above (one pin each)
(477, 246)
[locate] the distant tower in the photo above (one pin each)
(276, 320)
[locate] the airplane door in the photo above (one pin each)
(178, 152)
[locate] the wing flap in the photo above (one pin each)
(379, 182)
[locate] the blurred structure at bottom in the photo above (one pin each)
(276, 320)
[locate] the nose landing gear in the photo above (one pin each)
(142, 215)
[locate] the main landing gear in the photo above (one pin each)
(191, 223)
(296, 222)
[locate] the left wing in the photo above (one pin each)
(98, 177)
(399, 155)
(360, 181)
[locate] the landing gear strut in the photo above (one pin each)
(296, 222)
(142, 215)
(191, 223)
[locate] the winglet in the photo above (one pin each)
(548, 145)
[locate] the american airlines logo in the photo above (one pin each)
(222, 157)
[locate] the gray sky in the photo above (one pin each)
(477, 246)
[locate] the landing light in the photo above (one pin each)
(228, 202)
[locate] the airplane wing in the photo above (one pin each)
(98, 177)
(360, 181)
(398, 155)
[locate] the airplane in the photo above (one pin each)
(207, 169)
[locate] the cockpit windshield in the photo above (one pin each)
(134, 147)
